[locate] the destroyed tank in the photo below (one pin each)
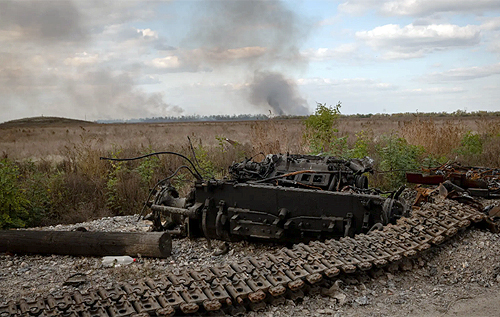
(254, 281)
(284, 198)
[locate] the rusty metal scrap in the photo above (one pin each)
(478, 181)
(492, 221)
(445, 190)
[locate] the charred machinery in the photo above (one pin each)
(284, 198)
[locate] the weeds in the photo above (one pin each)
(272, 136)
(148, 167)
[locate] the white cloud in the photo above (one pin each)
(413, 41)
(357, 6)
(330, 21)
(323, 54)
(491, 24)
(419, 7)
(402, 55)
(148, 33)
(425, 7)
(347, 82)
(437, 90)
(201, 59)
(466, 73)
(166, 62)
(82, 59)
(495, 47)
(229, 54)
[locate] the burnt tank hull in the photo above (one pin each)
(229, 210)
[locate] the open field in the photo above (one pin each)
(53, 168)
(48, 140)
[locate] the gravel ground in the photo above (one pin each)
(458, 278)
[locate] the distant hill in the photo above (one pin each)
(43, 121)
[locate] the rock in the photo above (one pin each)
(326, 311)
(341, 298)
(351, 281)
(362, 301)
(406, 265)
(433, 271)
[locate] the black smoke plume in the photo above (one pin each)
(261, 37)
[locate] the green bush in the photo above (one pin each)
(13, 203)
(361, 146)
(207, 166)
(471, 144)
(398, 157)
(148, 167)
(321, 133)
(35, 183)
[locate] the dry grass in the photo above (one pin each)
(439, 139)
(50, 142)
(79, 186)
(275, 136)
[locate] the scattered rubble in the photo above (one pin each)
(461, 274)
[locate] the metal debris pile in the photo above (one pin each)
(462, 184)
(477, 181)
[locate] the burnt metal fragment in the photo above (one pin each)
(477, 181)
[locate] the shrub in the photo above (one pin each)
(361, 147)
(34, 181)
(148, 167)
(471, 145)
(398, 157)
(207, 166)
(491, 152)
(321, 133)
(272, 136)
(125, 188)
(13, 204)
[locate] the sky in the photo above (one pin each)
(102, 59)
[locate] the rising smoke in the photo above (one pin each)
(44, 67)
(60, 53)
(43, 21)
(270, 88)
(262, 38)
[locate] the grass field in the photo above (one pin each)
(50, 169)
(49, 139)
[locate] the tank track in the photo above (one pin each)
(255, 281)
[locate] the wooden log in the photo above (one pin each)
(147, 244)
